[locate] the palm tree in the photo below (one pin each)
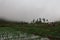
(37, 21)
(44, 20)
(47, 20)
(40, 20)
(33, 21)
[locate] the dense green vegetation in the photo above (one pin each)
(42, 29)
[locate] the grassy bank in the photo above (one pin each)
(42, 29)
(37, 29)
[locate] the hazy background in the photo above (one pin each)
(26, 10)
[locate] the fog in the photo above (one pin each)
(27, 10)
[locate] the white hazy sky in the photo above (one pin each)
(26, 10)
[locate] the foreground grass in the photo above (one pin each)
(37, 29)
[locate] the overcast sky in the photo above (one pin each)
(26, 10)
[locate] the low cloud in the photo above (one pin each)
(26, 10)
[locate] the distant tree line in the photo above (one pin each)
(34, 21)
(39, 20)
(3, 21)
